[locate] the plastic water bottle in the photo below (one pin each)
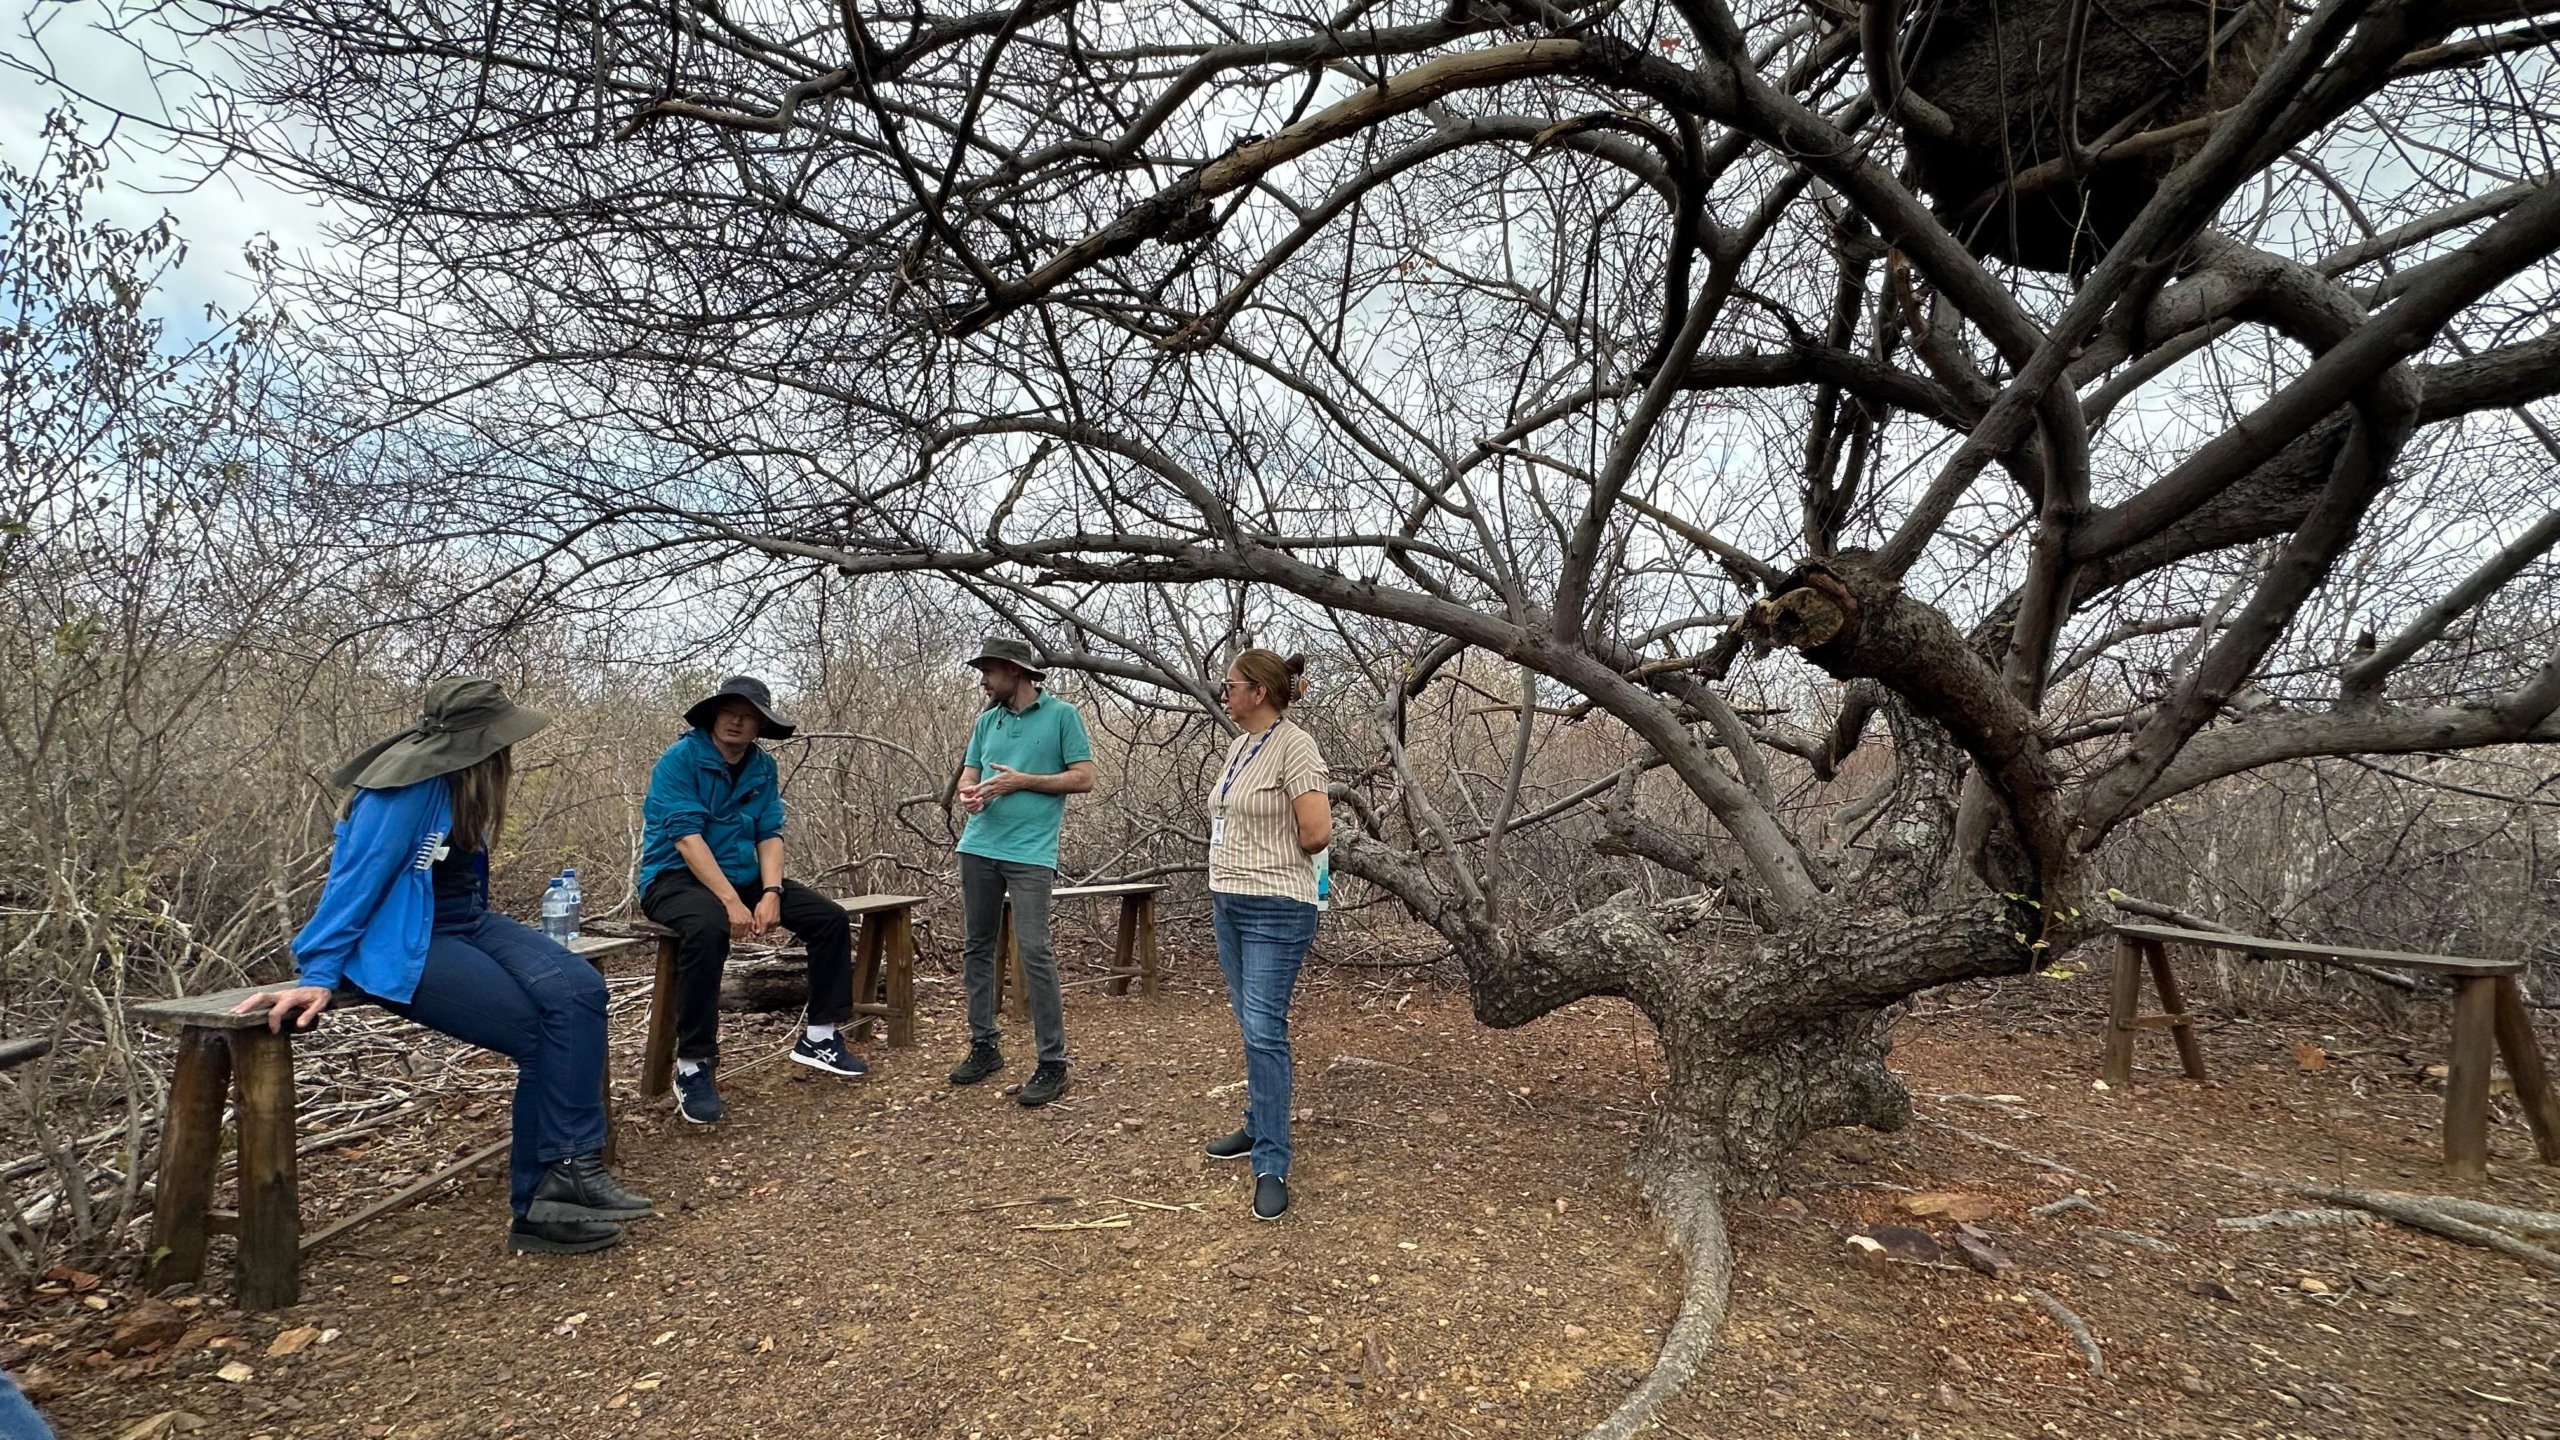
(577, 899)
(556, 920)
(1324, 880)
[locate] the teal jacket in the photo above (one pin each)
(379, 903)
(692, 793)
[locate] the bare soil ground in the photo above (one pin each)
(1465, 1257)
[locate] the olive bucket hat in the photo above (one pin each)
(461, 722)
(1011, 651)
(741, 687)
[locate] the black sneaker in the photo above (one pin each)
(1270, 1197)
(696, 1099)
(579, 1190)
(561, 1237)
(828, 1055)
(1047, 1083)
(984, 1060)
(1231, 1147)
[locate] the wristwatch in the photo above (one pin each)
(769, 890)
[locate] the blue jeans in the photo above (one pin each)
(18, 1419)
(1262, 940)
(494, 983)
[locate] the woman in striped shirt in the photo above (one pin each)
(1269, 817)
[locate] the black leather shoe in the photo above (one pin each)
(1047, 1083)
(983, 1060)
(1231, 1147)
(562, 1237)
(1270, 1197)
(580, 1190)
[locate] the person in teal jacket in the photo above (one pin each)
(712, 837)
(404, 920)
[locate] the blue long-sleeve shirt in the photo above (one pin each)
(378, 905)
(692, 791)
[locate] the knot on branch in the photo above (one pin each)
(1192, 222)
(1812, 611)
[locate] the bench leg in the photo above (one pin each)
(2466, 1085)
(1124, 948)
(899, 960)
(2523, 1054)
(612, 1141)
(190, 1147)
(2181, 1027)
(1147, 945)
(1012, 986)
(2124, 998)
(270, 1263)
(658, 1059)
(866, 970)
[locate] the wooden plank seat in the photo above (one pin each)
(884, 981)
(2488, 1014)
(1134, 955)
(221, 1053)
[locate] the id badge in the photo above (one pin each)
(1217, 828)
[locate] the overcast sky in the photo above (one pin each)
(217, 217)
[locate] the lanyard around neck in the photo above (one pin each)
(1243, 760)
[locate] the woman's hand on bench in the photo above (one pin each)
(303, 1003)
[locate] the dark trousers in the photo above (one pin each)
(985, 886)
(500, 985)
(685, 905)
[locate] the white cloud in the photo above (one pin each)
(57, 54)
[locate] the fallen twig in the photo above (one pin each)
(2295, 1220)
(2079, 1329)
(2042, 1162)
(2133, 1238)
(2067, 1202)
(1115, 1222)
(2006, 1104)
(1363, 1062)
(409, 1193)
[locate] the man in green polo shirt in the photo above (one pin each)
(1026, 756)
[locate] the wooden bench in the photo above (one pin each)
(2488, 1011)
(884, 965)
(219, 1052)
(1133, 949)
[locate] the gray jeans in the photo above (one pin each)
(984, 886)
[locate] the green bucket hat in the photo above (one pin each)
(1013, 652)
(461, 723)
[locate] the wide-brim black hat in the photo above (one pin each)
(460, 723)
(740, 687)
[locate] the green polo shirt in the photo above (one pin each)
(1046, 738)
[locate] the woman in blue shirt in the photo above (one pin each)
(404, 919)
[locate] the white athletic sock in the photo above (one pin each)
(820, 1034)
(687, 1067)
